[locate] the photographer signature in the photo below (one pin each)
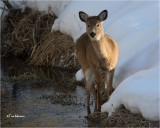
(15, 116)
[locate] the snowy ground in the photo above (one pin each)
(134, 25)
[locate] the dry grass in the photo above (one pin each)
(121, 118)
(27, 31)
(56, 49)
(11, 21)
(30, 31)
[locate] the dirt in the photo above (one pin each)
(121, 118)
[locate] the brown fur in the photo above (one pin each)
(96, 54)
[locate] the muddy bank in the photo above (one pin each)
(121, 118)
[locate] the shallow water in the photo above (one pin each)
(50, 98)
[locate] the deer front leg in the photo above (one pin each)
(109, 80)
(89, 77)
(98, 82)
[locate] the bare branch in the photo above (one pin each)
(6, 2)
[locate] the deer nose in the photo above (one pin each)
(92, 34)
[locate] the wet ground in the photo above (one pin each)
(50, 97)
(34, 96)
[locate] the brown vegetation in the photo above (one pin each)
(28, 34)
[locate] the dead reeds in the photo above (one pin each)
(11, 21)
(30, 31)
(56, 49)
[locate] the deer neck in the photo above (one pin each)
(100, 47)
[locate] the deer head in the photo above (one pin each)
(94, 25)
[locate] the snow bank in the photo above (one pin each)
(138, 44)
(138, 93)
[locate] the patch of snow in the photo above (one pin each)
(79, 75)
(49, 6)
(138, 93)
(109, 114)
(73, 54)
(105, 85)
(55, 7)
(19, 4)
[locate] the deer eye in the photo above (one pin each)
(97, 25)
(88, 25)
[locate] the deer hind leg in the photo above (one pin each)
(95, 96)
(89, 77)
(109, 81)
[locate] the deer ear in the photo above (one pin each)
(103, 15)
(83, 16)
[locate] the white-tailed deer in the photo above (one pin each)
(96, 52)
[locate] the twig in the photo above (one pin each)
(6, 2)
(12, 23)
(3, 12)
(4, 8)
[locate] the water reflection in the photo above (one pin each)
(23, 97)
